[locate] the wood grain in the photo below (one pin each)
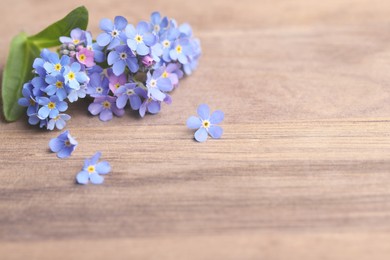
(302, 171)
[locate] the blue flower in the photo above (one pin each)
(149, 104)
(39, 62)
(121, 57)
(56, 86)
(128, 92)
(73, 76)
(159, 24)
(113, 33)
(167, 41)
(157, 84)
(105, 107)
(206, 124)
(63, 145)
(180, 51)
(92, 170)
(75, 94)
(98, 85)
(140, 38)
(59, 121)
(77, 36)
(28, 100)
(55, 65)
(51, 107)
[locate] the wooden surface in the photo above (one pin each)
(302, 171)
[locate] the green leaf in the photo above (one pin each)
(17, 71)
(24, 50)
(49, 37)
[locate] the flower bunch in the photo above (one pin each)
(135, 66)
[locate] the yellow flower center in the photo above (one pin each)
(59, 84)
(206, 123)
(71, 75)
(67, 142)
(179, 49)
(51, 105)
(165, 74)
(117, 85)
(57, 67)
(166, 44)
(138, 38)
(76, 41)
(91, 169)
(106, 104)
(82, 57)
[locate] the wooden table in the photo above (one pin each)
(302, 171)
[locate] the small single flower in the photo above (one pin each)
(98, 85)
(105, 107)
(206, 124)
(115, 81)
(63, 145)
(113, 32)
(157, 84)
(56, 65)
(128, 92)
(172, 71)
(180, 51)
(92, 170)
(86, 57)
(28, 100)
(159, 24)
(51, 107)
(74, 76)
(56, 86)
(77, 36)
(59, 122)
(167, 41)
(121, 57)
(140, 38)
(75, 94)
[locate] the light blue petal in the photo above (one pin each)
(103, 167)
(82, 177)
(165, 84)
(217, 117)
(215, 131)
(103, 39)
(60, 123)
(142, 49)
(119, 67)
(106, 25)
(121, 101)
(135, 102)
(62, 106)
(120, 22)
(56, 145)
(154, 107)
(43, 112)
(194, 122)
(53, 113)
(95, 158)
(113, 56)
(132, 44)
(114, 43)
(149, 39)
(96, 178)
(142, 27)
(157, 94)
(23, 102)
(201, 135)
(204, 112)
(95, 108)
(65, 152)
(155, 17)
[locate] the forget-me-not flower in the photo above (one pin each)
(157, 84)
(105, 107)
(206, 124)
(77, 36)
(63, 145)
(128, 92)
(28, 100)
(113, 32)
(92, 170)
(74, 76)
(121, 57)
(51, 107)
(59, 121)
(140, 38)
(98, 85)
